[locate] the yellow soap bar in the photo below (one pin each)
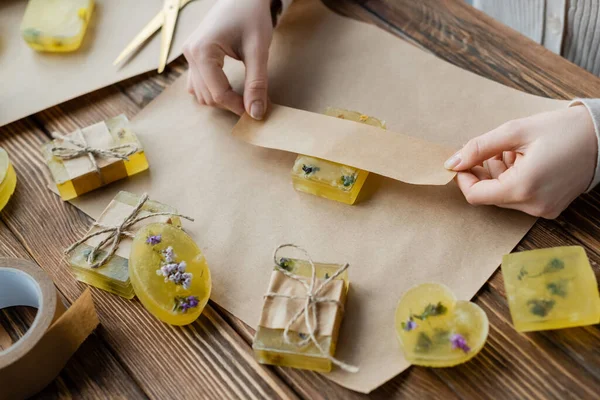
(436, 330)
(269, 345)
(328, 179)
(56, 25)
(551, 289)
(169, 274)
(70, 187)
(8, 178)
(113, 276)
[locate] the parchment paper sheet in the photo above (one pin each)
(398, 234)
(407, 159)
(31, 81)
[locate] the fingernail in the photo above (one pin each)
(257, 109)
(453, 161)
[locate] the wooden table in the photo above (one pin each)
(212, 358)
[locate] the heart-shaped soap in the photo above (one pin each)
(169, 273)
(436, 330)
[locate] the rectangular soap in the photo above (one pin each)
(269, 345)
(328, 179)
(551, 289)
(77, 176)
(114, 275)
(56, 25)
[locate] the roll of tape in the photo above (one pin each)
(37, 358)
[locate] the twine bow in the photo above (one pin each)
(116, 233)
(311, 299)
(122, 151)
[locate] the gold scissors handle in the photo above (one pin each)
(161, 19)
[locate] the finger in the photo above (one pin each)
(481, 173)
(189, 85)
(487, 191)
(504, 138)
(211, 70)
(495, 167)
(255, 87)
(509, 158)
(198, 88)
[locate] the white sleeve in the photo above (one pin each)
(593, 107)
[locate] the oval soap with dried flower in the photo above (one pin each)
(169, 273)
(436, 330)
(8, 178)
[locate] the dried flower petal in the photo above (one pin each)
(154, 239)
(459, 342)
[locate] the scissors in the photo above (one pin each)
(165, 19)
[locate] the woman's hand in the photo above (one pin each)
(239, 29)
(538, 164)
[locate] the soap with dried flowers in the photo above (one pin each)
(551, 289)
(169, 273)
(76, 176)
(329, 179)
(56, 25)
(269, 345)
(8, 178)
(437, 330)
(113, 276)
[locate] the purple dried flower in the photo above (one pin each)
(154, 239)
(459, 342)
(182, 304)
(409, 325)
(169, 254)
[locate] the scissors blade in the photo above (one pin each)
(170, 12)
(155, 24)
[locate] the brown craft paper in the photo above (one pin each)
(390, 154)
(37, 358)
(278, 311)
(96, 136)
(31, 81)
(396, 236)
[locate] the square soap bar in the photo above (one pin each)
(113, 276)
(551, 289)
(77, 176)
(328, 179)
(269, 345)
(8, 178)
(56, 25)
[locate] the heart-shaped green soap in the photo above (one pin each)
(437, 330)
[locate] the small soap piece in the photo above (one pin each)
(269, 344)
(169, 274)
(8, 178)
(78, 175)
(56, 25)
(331, 180)
(436, 330)
(551, 289)
(113, 276)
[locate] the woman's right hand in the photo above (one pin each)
(239, 29)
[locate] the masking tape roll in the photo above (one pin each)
(37, 358)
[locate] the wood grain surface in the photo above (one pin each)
(130, 355)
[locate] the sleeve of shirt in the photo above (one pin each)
(593, 107)
(278, 8)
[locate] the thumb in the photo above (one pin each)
(507, 137)
(255, 87)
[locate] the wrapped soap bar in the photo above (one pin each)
(297, 348)
(436, 330)
(56, 25)
(329, 179)
(551, 289)
(113, 274)
(169, 274)
(8, 178)
(94, 156)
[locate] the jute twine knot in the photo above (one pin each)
(116, 233)
(309, 310)
(122, 151)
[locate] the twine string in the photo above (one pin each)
(116, 233)
(309, 309)
(122, 151)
